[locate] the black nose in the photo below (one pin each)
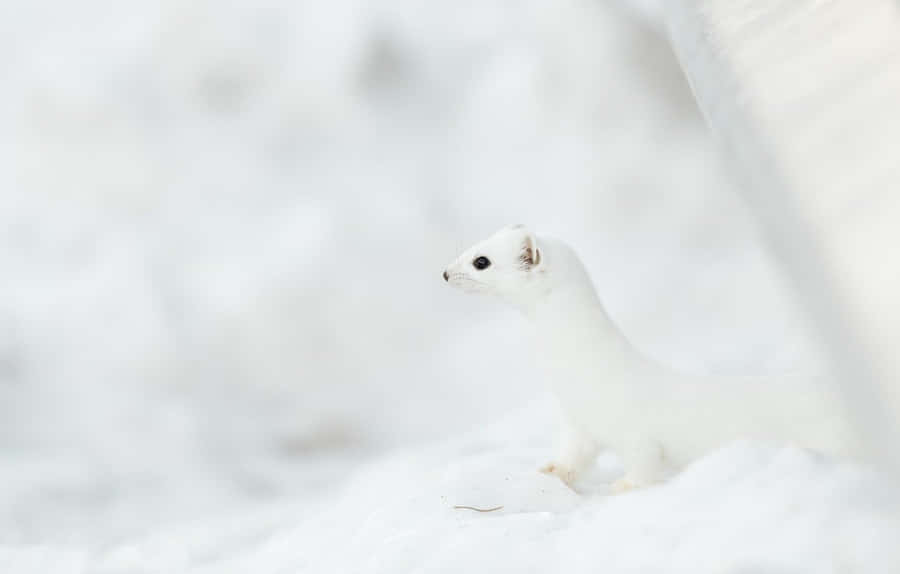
(446, 277)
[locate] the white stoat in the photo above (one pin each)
(613, 396)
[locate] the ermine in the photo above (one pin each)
(612, 396)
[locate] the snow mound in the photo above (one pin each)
(748, 507)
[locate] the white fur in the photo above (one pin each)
(613, 396)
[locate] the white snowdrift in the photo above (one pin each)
(746, 508)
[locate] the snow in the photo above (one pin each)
(746, 508)
(224, 340)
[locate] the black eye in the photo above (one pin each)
(481, 263)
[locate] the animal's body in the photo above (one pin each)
(657, 420)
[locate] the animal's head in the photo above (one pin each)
(507, 264)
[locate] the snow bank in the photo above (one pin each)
(746, 508)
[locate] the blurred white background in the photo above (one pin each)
(224, 226)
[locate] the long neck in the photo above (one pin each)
(563, 282)
(568, 302)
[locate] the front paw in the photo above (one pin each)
(622, 485)
(630, 483)
(561, 471)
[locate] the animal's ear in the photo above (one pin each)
(531, 253)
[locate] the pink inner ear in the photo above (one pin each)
(530, 254)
